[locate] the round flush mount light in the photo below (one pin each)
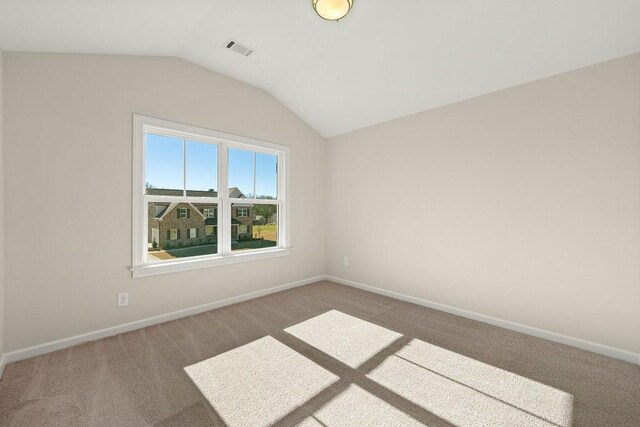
(332, 10)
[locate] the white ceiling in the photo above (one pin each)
(386, 59)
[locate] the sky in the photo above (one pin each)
(165, 162)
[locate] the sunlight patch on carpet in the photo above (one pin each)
(258, 383)
(356, 407)
(467, 392)
(264, 381)
(348, 339)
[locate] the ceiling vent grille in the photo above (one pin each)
(238, 47)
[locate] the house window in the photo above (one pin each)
(187, 173)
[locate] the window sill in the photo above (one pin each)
(192, 264)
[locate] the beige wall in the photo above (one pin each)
(68, 175)
(523, 204)
(2, 272)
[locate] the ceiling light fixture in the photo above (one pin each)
(332, 10)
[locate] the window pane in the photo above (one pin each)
(266, 176)
(253, 226)
(181, 230)
(202, 169)
(240, 173)
(164, 164)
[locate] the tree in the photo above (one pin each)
(265, 210)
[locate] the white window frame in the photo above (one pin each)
(140, 267)
(186, 214)
(195, 233)
(245, 212)
(172, 235)
(209, 212)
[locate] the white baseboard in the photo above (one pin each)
(48, 347)
(114, 330)
(616, 353)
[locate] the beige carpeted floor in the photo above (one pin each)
(322, 354)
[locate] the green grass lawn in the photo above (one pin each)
(269, 232)
(194, 251)
(253, 244)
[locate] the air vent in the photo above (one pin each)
(238, 47)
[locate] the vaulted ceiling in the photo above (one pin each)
(386, 59)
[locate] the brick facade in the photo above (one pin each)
(183, 217)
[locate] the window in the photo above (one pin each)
(184, 177)
(258, 235)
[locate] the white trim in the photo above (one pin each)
(254, 174)
(206, 261)
(183, 199)
(184, 167)
(284, 209)
(605, 350)
(60, 344)
(139, 210)
(251, 202)
(224, 209)
(177, 129)
(171, 206)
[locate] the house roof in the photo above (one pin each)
(160, 214)
(234, 192)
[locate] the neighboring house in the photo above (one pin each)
(188, 224)
(241, 224)
(259, 220)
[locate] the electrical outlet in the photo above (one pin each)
(123, 299)
(345, 261)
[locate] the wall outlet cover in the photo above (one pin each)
(123, 299)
